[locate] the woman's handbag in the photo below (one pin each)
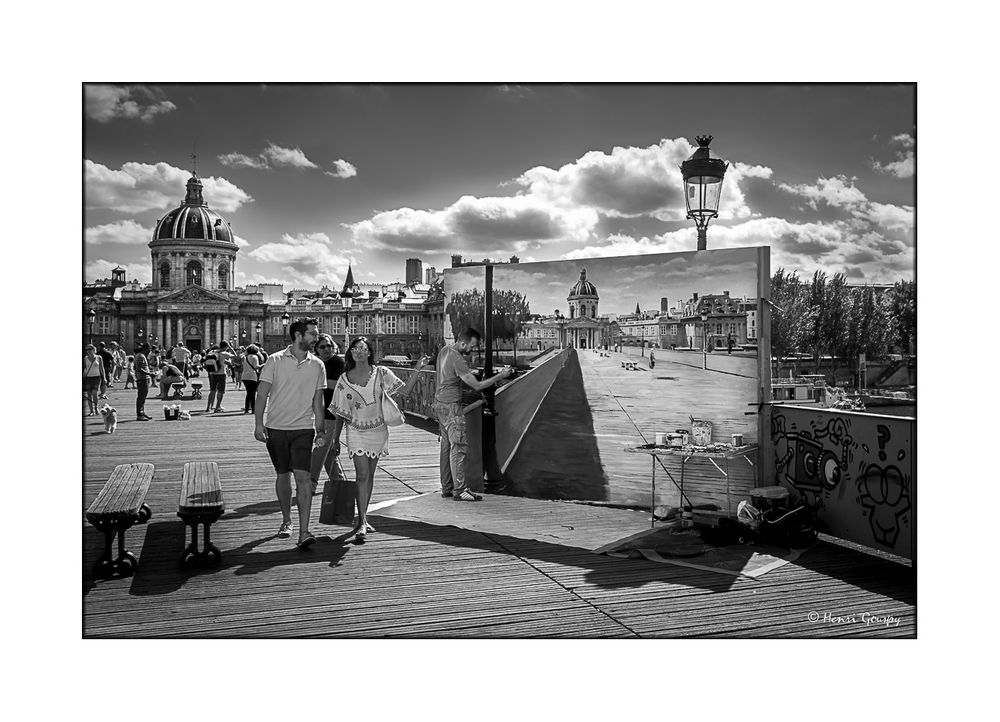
(338, 501)
(390, 411)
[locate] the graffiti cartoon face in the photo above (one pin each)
(815, 468)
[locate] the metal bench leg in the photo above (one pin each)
(191, 550)
(212, 555)
(104, 568)
(126, 564)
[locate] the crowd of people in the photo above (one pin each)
(303, 403)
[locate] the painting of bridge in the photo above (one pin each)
(591, 390)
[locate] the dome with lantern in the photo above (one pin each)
(582, 288)
(193, 220)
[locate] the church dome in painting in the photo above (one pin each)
(583, 287)
(193, 220)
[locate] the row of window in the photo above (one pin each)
(193, 274)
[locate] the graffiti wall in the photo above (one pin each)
(857, 470)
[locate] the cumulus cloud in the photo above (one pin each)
(632, 182)
(273, 156)
(138, 187)
(475, 225)
(806, 247)
(104, 103)
(305, 259)
(241, 242)
(890, 217)
(342, 169)
(839, 192)
(127, 231)
(101, 268)
(904, 166)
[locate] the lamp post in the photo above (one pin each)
(91, 315)
(378, 330)
(259, 329)
(703, 187)
(285, 318)
(704, 339)
(346, 299)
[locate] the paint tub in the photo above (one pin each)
(684, 436)
(737, 439)
(661, 438)
(701, 432)
(675, 440)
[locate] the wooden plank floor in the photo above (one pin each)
(420, 580)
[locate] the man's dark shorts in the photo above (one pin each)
(217, 382)
(290, 449)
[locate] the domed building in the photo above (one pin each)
(584, 329)
(193, 298)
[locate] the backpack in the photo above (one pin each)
(211, 362)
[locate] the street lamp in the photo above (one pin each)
(378, 329)
(91, 315)
(704, 338)
(702, 187)
(346, 299)
(284, 321)
(259, 328)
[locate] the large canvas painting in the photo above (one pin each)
(612, 352)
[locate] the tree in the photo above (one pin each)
(789, 326)
(466, 309)
(510, 311)
(815, 324)
(903, 314)
(836, 317)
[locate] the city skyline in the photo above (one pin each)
(316, 177)
(621, 282)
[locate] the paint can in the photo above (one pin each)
(661, 438)
(737, 440)
(687, 518)
(684, 436)
(701, 432)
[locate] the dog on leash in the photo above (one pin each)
(110, 414)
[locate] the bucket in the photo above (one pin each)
(661, 438)
(737, 440)
(701, 432)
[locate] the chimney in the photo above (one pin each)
(456, 261)
(664, 304)
(725, 293)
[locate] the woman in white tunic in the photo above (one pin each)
(357, 404)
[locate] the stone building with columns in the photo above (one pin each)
(192, 299)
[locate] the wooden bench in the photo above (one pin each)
(200, 503)
(119, 505)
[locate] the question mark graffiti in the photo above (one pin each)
(883, 436)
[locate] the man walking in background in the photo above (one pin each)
(216, 360)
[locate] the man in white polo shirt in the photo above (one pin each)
(291, 388)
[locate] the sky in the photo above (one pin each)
(621, 282)
(314, 177)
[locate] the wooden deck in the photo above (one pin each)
(415, 579)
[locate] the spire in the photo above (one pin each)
(349, 281)
(637, 311)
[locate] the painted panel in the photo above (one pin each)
(857, 470)
(603, 390)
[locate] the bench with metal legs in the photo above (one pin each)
(201, 503)
(119, 506)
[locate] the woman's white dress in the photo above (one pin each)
(361, 409)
